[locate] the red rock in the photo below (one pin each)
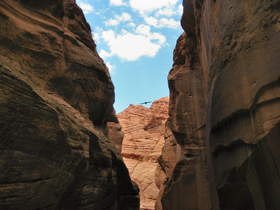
(144, 130)
(222, 151)
(56, 98)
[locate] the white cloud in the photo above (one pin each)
(146, 30)
(131, 24)
(117, 2)
(143, 29)
(104, 54)
(168, 23)
(166, 12)
(162, 22)
(151, 5)
(151, 21)
(96, 34)
(180, 9)
(95, 37)
(86, 7)
(110, 67)
(131, 46)
(173, 10)
(112, 22)
(124, 17)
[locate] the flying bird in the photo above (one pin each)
(146, 102)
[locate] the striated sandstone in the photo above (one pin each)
(144, 130)
(56, 99)
(224, 113)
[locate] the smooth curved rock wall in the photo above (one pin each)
(56, 99)
(225, 108)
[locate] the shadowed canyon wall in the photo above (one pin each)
(56, 100)
(222, 148)
(144, 130)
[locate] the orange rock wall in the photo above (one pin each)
(222, 149)
(56, 100)
(144, 130)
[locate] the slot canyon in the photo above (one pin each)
(210, 145)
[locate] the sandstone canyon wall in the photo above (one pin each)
(144, 130)
(222, 150)
(56, 99)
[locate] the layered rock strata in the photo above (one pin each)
(222, 150)
(56, 99)
(144, 130)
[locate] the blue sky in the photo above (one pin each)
(136, 39)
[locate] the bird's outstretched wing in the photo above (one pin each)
(146, 102)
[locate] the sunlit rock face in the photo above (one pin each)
(144, 130)
(56, 99)
(222, 151)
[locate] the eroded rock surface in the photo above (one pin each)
(56, 99)
(144, 130)
(222, 149)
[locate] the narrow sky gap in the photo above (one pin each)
(136, 39)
